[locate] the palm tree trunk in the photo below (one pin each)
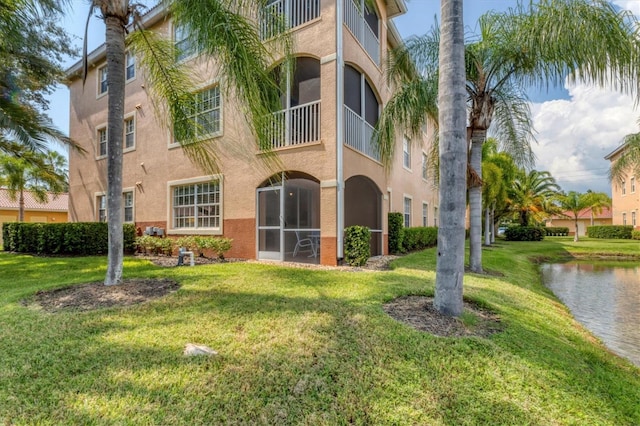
(493, 222)
(475, 202)
(487, 227)
(453, 161)
(115, 78)
(575, 237)
(21, 206)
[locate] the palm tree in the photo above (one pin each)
(31, 172)
(575, 202)
(31, 51)
(221, 29)
(629, 159)
(534, 45)
(531, 196)
(453, 162)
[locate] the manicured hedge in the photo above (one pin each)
(635, 235)
(356, 245)
(72, 238)
(419, 238)
(556, 231)
(621, 232)
(524, 233)
(396, 232)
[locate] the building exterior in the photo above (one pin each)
(625, 196)
(54, 210)
(586, 217)
(327, 177)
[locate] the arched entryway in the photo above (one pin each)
(288, 222)
(363, 206)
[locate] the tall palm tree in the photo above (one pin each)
(531, 196)
(575, 202)
(453, 162)
(221, 29)
(30, 172)
(629, 159)
(535, 44)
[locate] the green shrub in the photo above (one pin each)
(198, 244)
(155, 245)
(524, 233)
(188, 242)
(620, 232)
(356, 245)
(419, 238)
(71, 238)
(396, 232)
(556, 231)
(635, 235)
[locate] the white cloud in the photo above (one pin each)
(574, 135)
(632, 5)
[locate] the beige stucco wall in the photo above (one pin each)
(625, 200)
(155, 162)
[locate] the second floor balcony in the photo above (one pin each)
(365, 27)
(280, 15)
(296, 126)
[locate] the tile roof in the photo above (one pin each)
(59, 203)
(605, 213)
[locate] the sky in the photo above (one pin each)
(576, 126)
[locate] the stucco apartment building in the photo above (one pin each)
(625, 195)
(328, 175)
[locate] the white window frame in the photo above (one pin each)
(188, 53)
(102, 77)
(406, 153)
(425, 214)
(132, 206)
(132, 118)
(130, 63)
(425, 166)
(624, 187)
(407, 215)
(624, 218)
(101, 206)
(435, 216)
(195, 230)
(174, 143)
(99, 142)
(632, 184)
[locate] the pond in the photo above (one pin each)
(604, 297)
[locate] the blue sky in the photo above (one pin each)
(576, 126)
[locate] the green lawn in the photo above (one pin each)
(299, 346)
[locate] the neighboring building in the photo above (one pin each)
(329, 176)
(586, 217)
(54, 210)
(625, 196)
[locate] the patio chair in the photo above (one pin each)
(304, 244)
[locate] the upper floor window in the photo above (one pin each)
(624, 218)
(130, 65)
(102, 80)
(406, 152)
(101, 203)
(624, 187)
(205, 113)
(632, 184)
(102, 142)
(184, 43)
(127, 206)
(425, 214)
(129, 132)
(407, 212)
(425, 167)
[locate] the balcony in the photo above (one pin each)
(296, 126)
(358, 134)
(361, 29)
(279, 15)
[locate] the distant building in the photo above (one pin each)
(54, 210)
(625, 195)
(586, 217)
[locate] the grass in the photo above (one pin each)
(300, 346)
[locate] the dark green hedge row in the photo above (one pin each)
(396, 232)
(356, 245)
(419, 238)
(635, 235)
(72, 238)
(524, 233)
(621, 232)
(556, 231)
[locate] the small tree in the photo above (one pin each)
(575, 202)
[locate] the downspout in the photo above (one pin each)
(340, 127)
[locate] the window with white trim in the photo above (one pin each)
(129, 132)
(632, 183)
(183, 42)
(127, 206)
(425, 167)
(102, 142)
(205, 113)
(624, 218)
(130, 66)
(196, 206)
(633, 218)
(101, 208)
(435, 216)
(407, 212)
(624, 187)
(425, 214)
(406, 152)
(102, 80)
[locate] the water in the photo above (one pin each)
(604, 298)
